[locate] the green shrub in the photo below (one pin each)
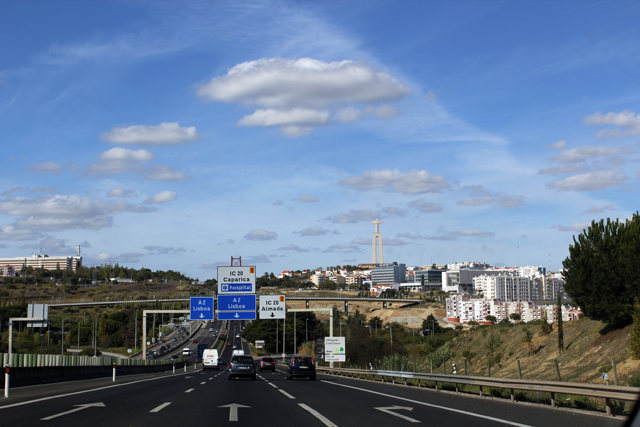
(617, 406)
(584, 402)
(634, 381)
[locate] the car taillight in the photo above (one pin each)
(254, 366)
(229, 365)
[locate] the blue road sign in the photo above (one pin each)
(236, 307)
(202, 308)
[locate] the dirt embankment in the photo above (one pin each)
(588, 352)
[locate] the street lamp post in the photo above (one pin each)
(390, 335)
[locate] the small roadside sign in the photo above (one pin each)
(272, 307)
(334, 349)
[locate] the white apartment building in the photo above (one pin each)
(503, 287)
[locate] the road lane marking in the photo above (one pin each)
(78, 408)
(42, 399)
(318, 415)
(389, 410)
(203, 382)
(459, 411)
(161, 407)
(286, 394)
(273, 385)
(190, 390)
(233, 410)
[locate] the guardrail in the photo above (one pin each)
(607, 392)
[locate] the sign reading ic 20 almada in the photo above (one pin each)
(236, 280)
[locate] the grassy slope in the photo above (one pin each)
(587, 351)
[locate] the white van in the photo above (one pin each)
(186, 351)
(210, 359)
(238, 353)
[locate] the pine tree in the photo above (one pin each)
(599, 272)
(634, 337)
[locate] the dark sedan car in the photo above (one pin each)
(242, 366)
(267, 363)
(301, 366)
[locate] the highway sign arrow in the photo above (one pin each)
(233, 410)
(236, 316)
(273, 315)
(79, 408)
(389, 410)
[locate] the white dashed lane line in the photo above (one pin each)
(190, 390)
(286, 394)
(161, 407)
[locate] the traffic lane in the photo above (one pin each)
(427, 405)
(114, 402)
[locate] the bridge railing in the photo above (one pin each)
(49, 360)
(606, 392)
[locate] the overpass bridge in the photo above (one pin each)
(344, 299)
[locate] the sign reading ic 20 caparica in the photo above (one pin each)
(234, 280)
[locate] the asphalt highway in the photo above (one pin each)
(197, 398)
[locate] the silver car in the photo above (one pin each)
(242, 366)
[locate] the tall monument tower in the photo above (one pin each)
(373, 244)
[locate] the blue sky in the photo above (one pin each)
(174, 135)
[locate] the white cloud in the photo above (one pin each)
(119, 192)
(11, 232)
(54, 213)
(283, 83)
(160, 250)
(346, 115)
(108, 258)
(120, 160)
(394, 211)
(626, 119)
(414, 182)
(575, 227)
(296, 94)
(580, 154)
(293, 117)
(563, 169)
(48, 167)
(312, 231)
(354, 216)
(383, 111)
(472, 232)
(124, 154)
(559, 144)
(599, 209)
(164, 173)
(261, 235)
(343, 247)
(591, 181)
(420, 237)
(162, 134)
(50, 246)
(162, 197)
(307, 199)
(294, 248)
(483, 197)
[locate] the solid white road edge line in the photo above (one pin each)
(459, 411)
(318, 415)
(286, 394)
(42, 399)
(161, 407)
